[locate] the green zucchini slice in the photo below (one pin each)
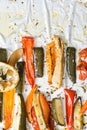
(20, 67)
(38, 61)
(78, 119)
(57, 110)
(3, 58)
(3, 55)
(22, 124)
(70, 63)
(38, 111)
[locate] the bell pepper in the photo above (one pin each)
(82, 67)
(69, 97)
(28, 43)
(29, 102)
(35, 122)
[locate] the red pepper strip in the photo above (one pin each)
(29, 102)
(34, 123)
(28, 43)
(83, 55)
(69, 97)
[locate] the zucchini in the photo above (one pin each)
(22, 124)
(38, 111)
(78, 119)
(38, 61)
(3, 58)
(57, 110)
(3, 55)
(20, 67)
(70, 63)
(19, 116)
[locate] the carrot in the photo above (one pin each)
(8, 107)
(84, 107)
(28, 104)
(45, 108)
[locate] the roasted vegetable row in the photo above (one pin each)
(7, 98)
(38, 109)
(34, 61)
(74, 118)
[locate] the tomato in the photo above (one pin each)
(83, 55)
(83, 64)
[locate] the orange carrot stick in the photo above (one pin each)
(45, 108)
(8, 107)
(29, 101)
(84, 107)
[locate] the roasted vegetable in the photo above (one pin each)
(38, 61)
(9, 77)
(59, 65)
(29, 102)
(22, 124)
(82, 67)
(35, 122)
(9, 95)
(3, 55)
(69, 98)
(3, 58)
(70, 63)
(50, 60)
(83, 55)
(38, 111)
(78, 119)
(20, 67)
(8, 108)
(45, 109)
(84, 108)
(28, 44)
(57, 110)
(55, 61)
(15, 56)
